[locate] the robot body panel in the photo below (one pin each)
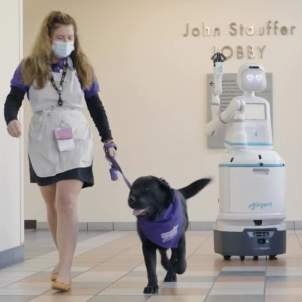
(250, 242)
(256, 121)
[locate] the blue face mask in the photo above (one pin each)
(62, 49)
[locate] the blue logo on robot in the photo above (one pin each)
(260, 205)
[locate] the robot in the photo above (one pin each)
(251, 174)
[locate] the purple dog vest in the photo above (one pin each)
(166, 230)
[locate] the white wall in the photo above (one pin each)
(11, 151)
(153, 83)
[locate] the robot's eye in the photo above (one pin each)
(259, 77)
(249, 77)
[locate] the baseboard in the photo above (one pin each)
(11, 256)
(30, 224)
(131, 226)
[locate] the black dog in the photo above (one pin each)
(162, 221)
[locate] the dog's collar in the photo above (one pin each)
(166, 229)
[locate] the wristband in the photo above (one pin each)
(113, 171)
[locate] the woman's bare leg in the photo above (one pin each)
(67, 194)
(49, 196)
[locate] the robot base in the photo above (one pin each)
(250, 242)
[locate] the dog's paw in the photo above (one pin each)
(170, 278)
(151, 289)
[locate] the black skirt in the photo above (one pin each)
(83, 174)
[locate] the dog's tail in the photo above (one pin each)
(194, 188)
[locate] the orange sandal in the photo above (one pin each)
(61, 286)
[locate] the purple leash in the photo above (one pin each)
(115, 167)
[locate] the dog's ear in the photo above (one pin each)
(164, 183)
(167, 189)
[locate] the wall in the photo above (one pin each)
(11, 159)
(153, 85)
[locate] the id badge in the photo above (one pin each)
(64, 138)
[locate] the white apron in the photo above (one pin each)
(43, 151)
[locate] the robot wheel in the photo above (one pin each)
(242, 258)
(272, 257)
(256, 258)
(227, 257)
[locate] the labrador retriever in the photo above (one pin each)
(162, 221)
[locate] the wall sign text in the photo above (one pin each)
(250, 51)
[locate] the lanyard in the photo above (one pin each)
(60, 88)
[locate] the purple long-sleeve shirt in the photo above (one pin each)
(18, 82)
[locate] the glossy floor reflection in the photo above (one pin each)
(108, 267)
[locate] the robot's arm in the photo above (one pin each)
(224, 117)
(218, 59)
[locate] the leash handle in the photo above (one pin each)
(115, 167)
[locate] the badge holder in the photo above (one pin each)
(64, 138)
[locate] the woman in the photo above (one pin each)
(57, 79)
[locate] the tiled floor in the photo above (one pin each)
(109, 267)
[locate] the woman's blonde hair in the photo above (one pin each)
(35, 68)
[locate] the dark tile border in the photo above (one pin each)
(11, 256)
(30, 224)
(131, 226)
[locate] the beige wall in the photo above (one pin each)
(153, 87)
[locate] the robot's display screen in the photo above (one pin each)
(255, 112)
(253, 80)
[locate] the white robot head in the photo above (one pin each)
(251, 78)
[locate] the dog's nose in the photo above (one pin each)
(131, 201)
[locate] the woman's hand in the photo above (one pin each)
(111, 152)
(110, 149)
(14, 128)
